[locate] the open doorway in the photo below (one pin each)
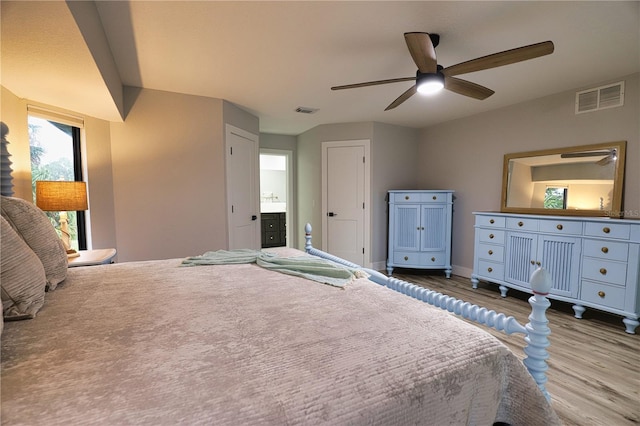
(275, 197)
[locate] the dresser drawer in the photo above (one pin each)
(561, 227)
(491, 252)
(490, 221)
(490, 270)
(603, 294)
(523, 224)
(491, 236)
(609, 250)
(608, 230)
(604, 270)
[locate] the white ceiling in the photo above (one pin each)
(272, 57)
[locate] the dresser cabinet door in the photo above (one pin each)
(560, 256)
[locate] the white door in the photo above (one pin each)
(242, 170)
(345, 200)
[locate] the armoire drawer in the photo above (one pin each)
(490, 270)
(609, 250)
(420, 258)
(605, 271)
(603, 294)
(420, 197)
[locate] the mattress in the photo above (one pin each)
(156, 343)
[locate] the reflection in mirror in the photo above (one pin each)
(584, 180)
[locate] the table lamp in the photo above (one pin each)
(62, 196)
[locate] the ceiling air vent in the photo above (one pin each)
(306, 110)
(602, 97)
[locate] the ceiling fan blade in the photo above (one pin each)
(586, 154)
(502, 58)
(422, 51)
(467, 88)
(406, 95)
(373, 83)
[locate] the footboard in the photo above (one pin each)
(535, 333)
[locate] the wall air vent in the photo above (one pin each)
(609, 96)
(306, 110)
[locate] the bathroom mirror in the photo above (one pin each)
(583, 180)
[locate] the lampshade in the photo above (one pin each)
(429, 83)
(58, 196)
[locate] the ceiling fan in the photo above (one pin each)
(432, 77)
(608, 156)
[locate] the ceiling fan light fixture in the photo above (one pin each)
(430, 83)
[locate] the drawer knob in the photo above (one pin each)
(533, 262)
(601, 294)
(520, 224)
(538, 263)
(559, 226)
(406, 258)
(271, 225)
(406, 197)
(490, 252)
(605, 249)
(435, 198)
(433, 259)
(603, 271)
(491, 236)
(492, 221)
(489, 269)
(606, 230)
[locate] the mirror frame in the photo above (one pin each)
(618, 182)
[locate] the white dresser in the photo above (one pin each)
(420, 230)
(593, 262)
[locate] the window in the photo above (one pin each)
(55, 155)
(555, 197)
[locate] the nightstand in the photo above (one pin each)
(92, 257)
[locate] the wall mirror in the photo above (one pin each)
(583, 180)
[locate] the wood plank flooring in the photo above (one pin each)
(594, 365)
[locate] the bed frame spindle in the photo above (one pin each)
(536, 332)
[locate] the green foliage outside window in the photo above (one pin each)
(555, 198)
(52, 167)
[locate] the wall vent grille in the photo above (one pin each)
(306, 110)
(603, 97)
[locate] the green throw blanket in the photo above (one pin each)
(313, 268)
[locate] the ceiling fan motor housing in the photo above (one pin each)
(429, 82)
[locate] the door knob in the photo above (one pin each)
(254, 217)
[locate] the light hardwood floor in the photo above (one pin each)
(594, 365)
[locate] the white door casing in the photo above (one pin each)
(345, 200)
(242, 185)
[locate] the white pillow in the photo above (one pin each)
(35, 228)
(22, 277)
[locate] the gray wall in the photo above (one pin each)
(168, 174)
(394, 164)
(466, 155)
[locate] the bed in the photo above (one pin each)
(179, 342)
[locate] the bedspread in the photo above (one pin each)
(155, 343)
